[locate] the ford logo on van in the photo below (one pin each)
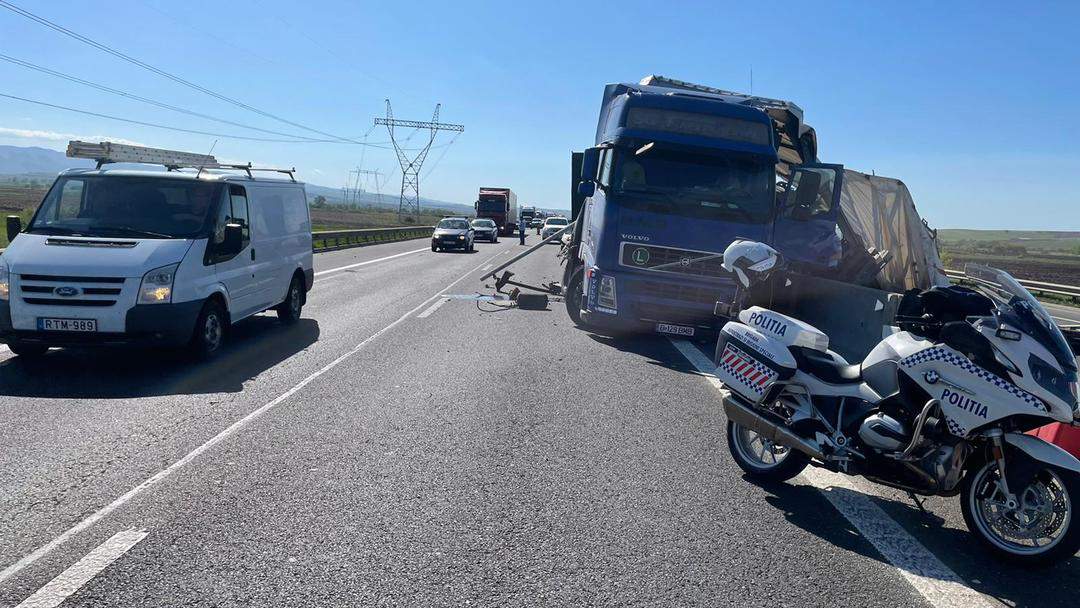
(66, 292)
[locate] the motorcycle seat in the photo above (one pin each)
(827, 366)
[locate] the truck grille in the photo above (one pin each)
(682, 261)
(44, 290)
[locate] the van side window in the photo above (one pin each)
(233, 210)
(239, 214)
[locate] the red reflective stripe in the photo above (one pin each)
(740, 368)
(729, 357)
(753, 376)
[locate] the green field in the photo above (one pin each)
(1047, 241)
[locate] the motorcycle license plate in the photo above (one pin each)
(675, 330)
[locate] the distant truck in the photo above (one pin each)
(528, 214)
(500, 206)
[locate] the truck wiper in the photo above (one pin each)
(135, 231)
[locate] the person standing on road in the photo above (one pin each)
(521, 227)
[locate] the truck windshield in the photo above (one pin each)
(693, 185)
(492, 204)
(132, 207)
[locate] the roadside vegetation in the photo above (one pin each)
(1053, 257)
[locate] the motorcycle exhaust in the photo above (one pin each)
(745, 416)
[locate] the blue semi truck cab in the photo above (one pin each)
(678, 172)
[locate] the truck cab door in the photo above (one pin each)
(805, 228)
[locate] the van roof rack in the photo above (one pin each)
(108, 152)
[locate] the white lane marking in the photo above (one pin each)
(389, 257)
(4, 348)
(231, 430)
(432, 308)
(485, 268)
(922, 569)
(68, 582)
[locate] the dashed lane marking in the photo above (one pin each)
(935, 581)
(432, 308)
(69, 581)
(234, 428)
(358, 264)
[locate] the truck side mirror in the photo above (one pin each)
(590, 164)
(14, 227)
(234, 240)
(586, 188)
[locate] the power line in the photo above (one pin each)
(104, 48)
(180, 129)
(159, 104)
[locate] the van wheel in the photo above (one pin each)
(289, 310)
(28, 351)
(209, 335)
(434, 247)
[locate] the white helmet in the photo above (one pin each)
(751, 261)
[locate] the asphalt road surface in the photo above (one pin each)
(402, 447)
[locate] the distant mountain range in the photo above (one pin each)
(43, 162)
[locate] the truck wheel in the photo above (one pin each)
(28, 351)
(573, 296)
(209, 334)
(288, 312)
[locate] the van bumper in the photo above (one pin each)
(145, 325)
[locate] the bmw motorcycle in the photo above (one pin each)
(940, 407)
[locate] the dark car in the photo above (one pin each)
(453, 233)
(486, 229)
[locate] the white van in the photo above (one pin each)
(154, 257)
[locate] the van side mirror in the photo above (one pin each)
(590, 164)
(14, 227)
(586, 188)
(234, 240)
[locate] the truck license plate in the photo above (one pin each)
(675, 330)
(84, 325)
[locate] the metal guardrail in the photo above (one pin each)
(1035, 287)
(329, 240)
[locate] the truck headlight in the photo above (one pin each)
(5, 286)
(157, 285)
(605, 294)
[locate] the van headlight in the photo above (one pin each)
(5, 285)
(157, 285)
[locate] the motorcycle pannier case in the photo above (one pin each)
(750, 363)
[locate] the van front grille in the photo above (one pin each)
(68, 302)
(63, 290)
(42, 278)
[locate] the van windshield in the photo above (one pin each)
(695, 185)
(129, 207)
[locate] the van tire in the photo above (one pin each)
(28, 351)
(288, 312)
(210, 329)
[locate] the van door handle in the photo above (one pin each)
(252, 254)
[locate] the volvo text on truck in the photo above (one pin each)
(677, 172)
(499, 205)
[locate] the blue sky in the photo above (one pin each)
(974, 106)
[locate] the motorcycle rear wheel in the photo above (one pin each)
(1041, 530)
(761, 458)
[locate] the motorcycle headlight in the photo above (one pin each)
(5, 286)
(157, 285)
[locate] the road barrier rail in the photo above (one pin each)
(330, 240)
(1071, 292)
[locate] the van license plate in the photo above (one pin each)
(84, 325)
(675, 330)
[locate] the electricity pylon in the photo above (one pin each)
(410, 167)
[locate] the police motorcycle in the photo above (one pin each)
(938, 408)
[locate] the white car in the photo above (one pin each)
(165, 258)
(553, 225)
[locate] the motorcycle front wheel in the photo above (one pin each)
(1039, 529)
(761, 458)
